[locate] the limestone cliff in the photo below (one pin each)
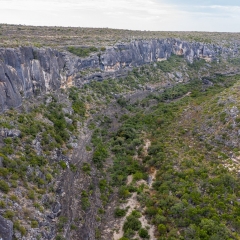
(26, 71)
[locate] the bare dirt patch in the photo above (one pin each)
(133, 204)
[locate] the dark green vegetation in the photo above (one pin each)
(82, 52)
(194, 194)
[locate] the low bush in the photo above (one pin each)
(4, 186)
(82, 51)
(119, 212)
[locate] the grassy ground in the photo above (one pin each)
(58, 37)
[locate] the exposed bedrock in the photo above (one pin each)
(26, 71)
(6, 229)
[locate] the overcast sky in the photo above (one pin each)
(158, 15)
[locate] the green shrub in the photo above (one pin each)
(21, 229)
(132, 223)
(63, 164)
(14, 176)
(60, 237)
(4, 186)
(88, 148)
(49, 177)
(62, 221)
(82, 52)
(136, 214)
(31, 194)
(100, 154)
(73, 227)
(34, 224)
(13, 198)
(14, 183)
(73, 167)
(124, 192)
(85, 200)
(162, 229)
(7, 150)
(86, 168)
(119, 212)
(143, 233)
(79, 107)
(9, 214)
(4, 172)
(151, 211)
(8, 140)
(138, 176)
(2, 204)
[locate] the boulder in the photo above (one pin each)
(178, 74)
(6, 229)
(68, 120)
(5, 132)
(56, 208)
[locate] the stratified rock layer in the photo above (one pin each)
(26, 71)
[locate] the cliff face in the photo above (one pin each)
(26, 71)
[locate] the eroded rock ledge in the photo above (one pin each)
(26, 71)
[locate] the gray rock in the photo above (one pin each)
(49, 100)
(10, 132)
(6, 229)
(29, 71)
(39, 174)
(17, 235)
(171, 76)
(56, 208)
(50, 216)
(74, 145)
(178, 74)
(30, 171)
(68, 120)
(45, 199)
(38, 148)
(1, 162)
(149, 180)
(67, 110)
(207, 82)
(233, 111)
(149, 88)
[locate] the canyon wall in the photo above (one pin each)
(28, 71)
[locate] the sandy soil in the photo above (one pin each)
(132, 203)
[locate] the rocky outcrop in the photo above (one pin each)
(26, 71)
(6, 229)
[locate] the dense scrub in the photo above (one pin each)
(82, 52)
(195, 196)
